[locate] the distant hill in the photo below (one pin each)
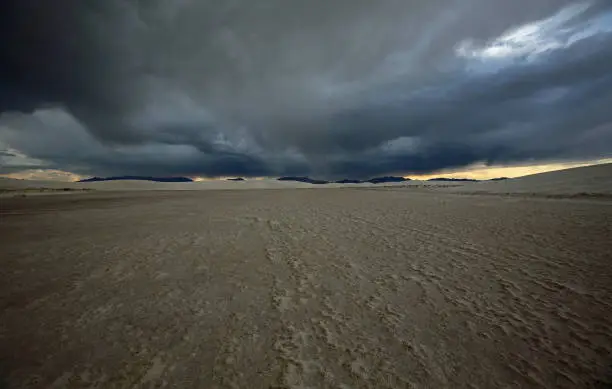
(446, 179)
(452, 179)
(382, 180)
(307, 180)
(138, 178)
(376, 180)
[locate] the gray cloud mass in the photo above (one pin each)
(329, 88)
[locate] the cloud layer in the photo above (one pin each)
(335, 88)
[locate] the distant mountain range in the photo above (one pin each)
(138, 178)
(376, 180)
(465, 179)
(383, 180)
(379, 180)
(308, 180)
(452, 179)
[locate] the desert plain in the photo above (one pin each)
(142, 285)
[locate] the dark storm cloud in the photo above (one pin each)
(335, 88)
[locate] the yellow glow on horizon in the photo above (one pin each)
(477, 172)
(483, 172)
(45, 175)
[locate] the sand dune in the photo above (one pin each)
(589, 180)
(335, 288)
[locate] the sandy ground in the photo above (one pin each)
(413, 285)
(305, 288)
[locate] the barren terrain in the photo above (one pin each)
(305, 288)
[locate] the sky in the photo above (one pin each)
(325, 88)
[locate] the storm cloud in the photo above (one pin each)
(331, 88)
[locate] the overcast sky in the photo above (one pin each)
(327, 88)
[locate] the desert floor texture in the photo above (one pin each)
(305, 288)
